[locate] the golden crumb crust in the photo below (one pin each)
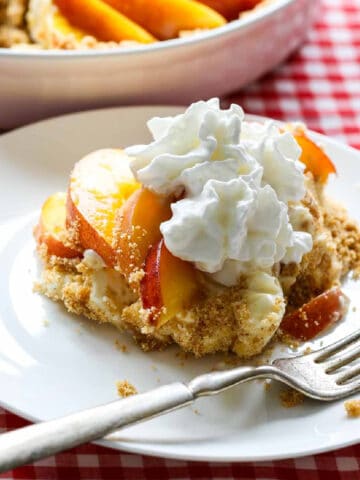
(12, 23)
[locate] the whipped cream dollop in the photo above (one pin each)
(236, 183)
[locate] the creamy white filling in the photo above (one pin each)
(265, 302)
(105, 280)
(93, 260)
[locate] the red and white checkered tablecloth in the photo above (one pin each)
(319, 85)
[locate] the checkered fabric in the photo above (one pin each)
(319, 85)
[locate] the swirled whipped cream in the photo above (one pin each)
(236, 182)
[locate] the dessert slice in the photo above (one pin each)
(215, 236)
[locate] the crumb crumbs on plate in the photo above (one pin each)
(291, 398)
(267, 385)
(125, 388)
(352, 408)
(154, 368)
(45, 322)
(182, 355)
(289, 341)
(121, 346)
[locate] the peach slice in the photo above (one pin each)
(99, 185)
(169, 284)
(51, 229)
(64, 27)
(314, 158)
(230, 9)
(165, 19)
(138, 228)
(103, 22)
(316, 315)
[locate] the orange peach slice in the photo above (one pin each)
(138, 228)
(314, 158)
(99, 185)
(230, 9)
(51, 229)
(169, 284)
(316, 315)
(165, 19)
(102, 21)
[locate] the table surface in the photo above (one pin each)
(319, 85)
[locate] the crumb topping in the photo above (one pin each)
(12, 23)
(290, 398)
(125, 389)
(121, 346)
(352, 408)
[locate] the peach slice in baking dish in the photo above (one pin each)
(166, 19)
(102, 21)
(168, 286)
(99, 185)
(51, 229)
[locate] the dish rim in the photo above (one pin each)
(243, 23)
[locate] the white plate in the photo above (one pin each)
(35, 84)
(52, 363)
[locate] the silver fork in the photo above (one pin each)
(316, 375)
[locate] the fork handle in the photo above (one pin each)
(34, 442)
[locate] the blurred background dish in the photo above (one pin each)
(37, 83)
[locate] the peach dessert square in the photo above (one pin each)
(216, 236)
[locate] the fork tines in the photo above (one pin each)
(348, 349)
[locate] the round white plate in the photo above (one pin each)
(52, 363)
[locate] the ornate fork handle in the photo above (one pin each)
(37, 441)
